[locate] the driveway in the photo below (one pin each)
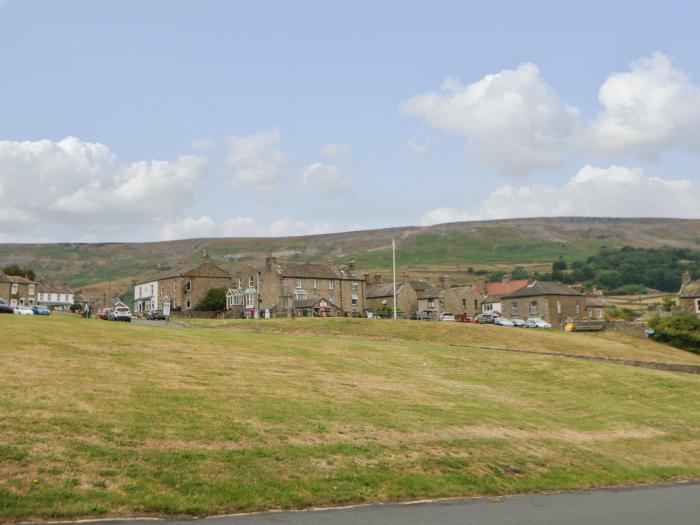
(652, 505)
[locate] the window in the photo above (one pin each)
(14, 288)
(31, 289)
(234, 297)
(161, 289)
(513, 308)
(464, 303)
(533, 307)
(315, 284)
(21, 301)
(152, 291)
(251, 281)
(330, 297)
(174, 288)
(488, 307)
(31, 302)
(300, 296)
(189, 303)
(384, 302)
(354, 285)
(188, 288)
(558, 307)
(697, 305)
(330, 285)
(578, 308)
(240, 284)
(431, 303)
(354, 299)
(476, 304)
(298, 283)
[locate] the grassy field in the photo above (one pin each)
(114, 419)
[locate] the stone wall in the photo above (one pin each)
(635, 328)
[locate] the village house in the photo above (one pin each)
(17, 291)
(689, 295)
(380, 295)
(493, 292)
(55, 296)
(445, 299)
(287, 288)
(184, 287)
(553, 302)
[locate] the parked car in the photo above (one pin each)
(446, 317)
(5, 308)
(519, 323)
(487, 318)
(23, 310)
(503, 321)
(41, 310)
(536, 322)
(104, 313)
(121, 313)
(155, 315)
(467, 319)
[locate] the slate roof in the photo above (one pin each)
(45, 287)
(310, 270)
(374, 291)
(4, 278)
(432, 293)
(177, 272)
(543, 288)
(690, 289)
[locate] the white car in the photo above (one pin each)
(121, 313)
(447, 317)
(503, 321)
(536, 322)
(519, 322)
(23, 310)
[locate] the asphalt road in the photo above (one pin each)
(657, 505)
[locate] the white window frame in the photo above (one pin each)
(353, 286)
(188, 303)
(188, 286)
(251, 281)
(298, 283)
(431, 303)
(354, 300)
(300, 295)
(488, 307)
(697, 306)
(331, 284)
(578, 308)
(14, 288)
(533, 307)
(31, 289)
(558, 306)
(250, 299)
(315, 284)
(514, 308)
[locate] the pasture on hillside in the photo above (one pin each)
(112, 419)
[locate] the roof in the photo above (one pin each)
(179, 272)
(502, 287)
(421, 285)
(309, 270)
(543, 288)
(14, 279)
(54, 288)
(430, 294)
(382, 290)
(308, 303)
(690, 289)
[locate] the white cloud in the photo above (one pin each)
(335, 150)
(616, 191)
(205, 226)
(257, 161)
(326, 179)
(443, 215)
(83, 183)
(652, 108)
(513, 121)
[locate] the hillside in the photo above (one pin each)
(458, 245)
(110, 419)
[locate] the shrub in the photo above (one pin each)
(75, 307)
(681, 330)
(214, 301)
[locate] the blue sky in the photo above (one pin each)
(193, 118)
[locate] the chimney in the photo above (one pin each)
(444, 282)
(686, 277)
(351, 265)
(270, 261)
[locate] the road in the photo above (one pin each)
(658, 505)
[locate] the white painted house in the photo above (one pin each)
(55, 296)
(147, 297)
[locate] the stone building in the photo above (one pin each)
(17, 291)
(284, 287)
(551, 301)
(492, 293)
(689, 295)
(184, 287)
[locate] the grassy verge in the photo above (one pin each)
(111, 419)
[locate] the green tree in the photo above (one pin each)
(520, 273)
(16, 270)
(559, 265)
(214, 301)
(497, 276)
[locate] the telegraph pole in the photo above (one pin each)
(393, 257)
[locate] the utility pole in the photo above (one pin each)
(393, 257)
(257, 302)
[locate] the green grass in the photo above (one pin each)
(103, 418)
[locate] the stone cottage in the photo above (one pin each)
(689, 295)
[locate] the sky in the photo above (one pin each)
(158, 120)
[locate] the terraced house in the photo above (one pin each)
(554, 302)
(296, 288)
(184, 287)
(56, 296)
(17, 291)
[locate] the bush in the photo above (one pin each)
(681, 330)
(621, 313)
(214, 301)
(75, 307)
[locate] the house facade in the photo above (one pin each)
(183, 287)
(55, 296)
(280, 287)
(18, 291)
(551, 301)
(689, 295)
(493, 292)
